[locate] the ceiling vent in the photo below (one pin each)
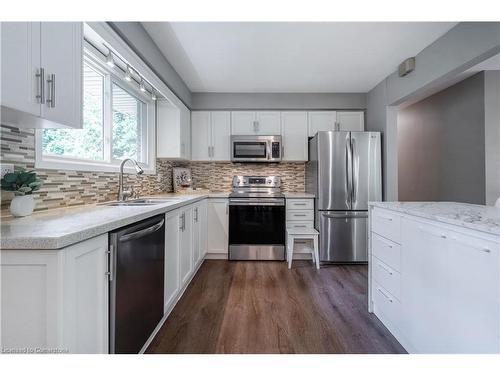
(406, 67)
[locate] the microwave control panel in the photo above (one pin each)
(275, 150)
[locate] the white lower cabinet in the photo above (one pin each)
(185, 248)
(445, 298)
(56, 299)
(186, 244)
(218, 225)
(199, 232)
(172, 238)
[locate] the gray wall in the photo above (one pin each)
(234, 101)
(441, 148)
(492, 134)
(437, 66)
(139, 40)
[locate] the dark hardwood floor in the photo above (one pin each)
(262, 307)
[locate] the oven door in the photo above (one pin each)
(256, 229)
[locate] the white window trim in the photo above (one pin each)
(148, 123)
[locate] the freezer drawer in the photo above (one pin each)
(343, 236)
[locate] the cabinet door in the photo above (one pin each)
(20, 62)
(31, 298)
(186, 246)
(321, 121)
(172, 238)
(221, 136)
(424, 287)
(203, 219)
(268, 123)
(62, 58)
(218, 223)
(294, 135)
(196, 235)
(185, 118)
(243, 123)
(85, 304)
(168, 130)
(201, 139)
(351, 121)
(472, 310)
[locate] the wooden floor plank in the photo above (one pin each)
(262, 307)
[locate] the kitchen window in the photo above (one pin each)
(118, 123)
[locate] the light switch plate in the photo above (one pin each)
(6, 168)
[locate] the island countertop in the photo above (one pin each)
(477, 217)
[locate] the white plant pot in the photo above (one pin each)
(22, 205)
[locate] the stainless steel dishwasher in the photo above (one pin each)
(137, 257)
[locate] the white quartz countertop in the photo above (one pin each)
(62, 227)
(297, 195)
(477, 217)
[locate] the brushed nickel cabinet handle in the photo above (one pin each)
(51, 101)
(40, 96)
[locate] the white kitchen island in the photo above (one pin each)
(434, 275)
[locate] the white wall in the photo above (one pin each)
(492, 134)
(437, 67)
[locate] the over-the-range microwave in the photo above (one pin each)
(256, 148)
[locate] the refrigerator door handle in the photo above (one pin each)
(355, 172)
(348, 167)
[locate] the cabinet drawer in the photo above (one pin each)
(387, 305)
(299, 204)
(387, 251)
(300, 225)
(387, 277)
(299, 215)
(387, 224)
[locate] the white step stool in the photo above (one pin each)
(301, 234)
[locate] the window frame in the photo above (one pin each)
(108, 164)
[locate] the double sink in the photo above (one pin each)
(142, 202)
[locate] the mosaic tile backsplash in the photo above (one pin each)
(71, 188)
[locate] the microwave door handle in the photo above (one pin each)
(268, 150)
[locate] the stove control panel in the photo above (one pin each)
(257, 181)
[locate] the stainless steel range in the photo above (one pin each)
(256, 219)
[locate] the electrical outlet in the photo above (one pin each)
(6, 168)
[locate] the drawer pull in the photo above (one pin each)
(385, 294)
(298, 204)
(299, 226)
(299, 215)
(385, 269)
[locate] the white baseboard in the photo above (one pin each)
(216, 256)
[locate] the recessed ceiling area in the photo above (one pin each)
(290, 56)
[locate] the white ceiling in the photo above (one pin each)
(290, 57)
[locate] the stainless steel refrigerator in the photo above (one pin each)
(344, 174)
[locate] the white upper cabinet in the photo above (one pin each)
(351, 121)
(201, 135)
(221, 136)
(255, 123)
(321, 121)
(210, 139)
(243, 123)
(20, 65)
(173, 130)
(294, 135)
(268, 123)
(62, 60)
(42, 73)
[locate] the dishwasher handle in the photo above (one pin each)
(142, 232)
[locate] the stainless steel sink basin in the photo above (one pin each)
(142, 202)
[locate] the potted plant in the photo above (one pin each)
(23, 183)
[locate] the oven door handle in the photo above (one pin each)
(246, 202)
